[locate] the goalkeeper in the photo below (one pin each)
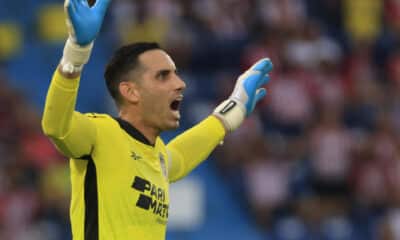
(120, 168)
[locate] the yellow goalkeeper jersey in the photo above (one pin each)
(119, 180)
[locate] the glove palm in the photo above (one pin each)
(248, 89)
(246, 94)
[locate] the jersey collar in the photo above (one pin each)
(133, 132)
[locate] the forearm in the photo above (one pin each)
(60, 104)
(61, 97)
(192, 147)
(72, 132)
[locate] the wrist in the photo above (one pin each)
(62, 69)
(74, 57)
(231, 113)
(222, 121)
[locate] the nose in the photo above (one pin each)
(180, 84)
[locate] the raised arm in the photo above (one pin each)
(193, 146)
(73, 133)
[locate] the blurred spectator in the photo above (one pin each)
(26, 156)
(309, 47)
(286, 14)
(331, 147)
(266, 176)
(389, 228)
(290, 106)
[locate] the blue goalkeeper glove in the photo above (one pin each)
(84, 23)
(247, 92)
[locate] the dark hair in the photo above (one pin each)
(124, 60)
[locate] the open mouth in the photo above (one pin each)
(175, 105)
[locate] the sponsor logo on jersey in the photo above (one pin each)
(152, 198)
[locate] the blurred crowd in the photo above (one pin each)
(34, 185)
(319, 159)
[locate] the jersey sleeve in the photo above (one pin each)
(73, 133)
(190, 148)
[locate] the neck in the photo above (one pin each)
(137, 121)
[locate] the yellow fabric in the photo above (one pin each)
(66, 126)
(193, 146)
(119, 161)
(129, 178)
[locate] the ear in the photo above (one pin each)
(129, 92)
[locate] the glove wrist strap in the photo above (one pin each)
(231, 113)
(75, 56)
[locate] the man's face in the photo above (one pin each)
(160, 90)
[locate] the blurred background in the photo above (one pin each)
(319, 158)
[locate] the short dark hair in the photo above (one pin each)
(122, 62)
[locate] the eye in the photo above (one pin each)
(163, 74)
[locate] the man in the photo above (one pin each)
(120, 168)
